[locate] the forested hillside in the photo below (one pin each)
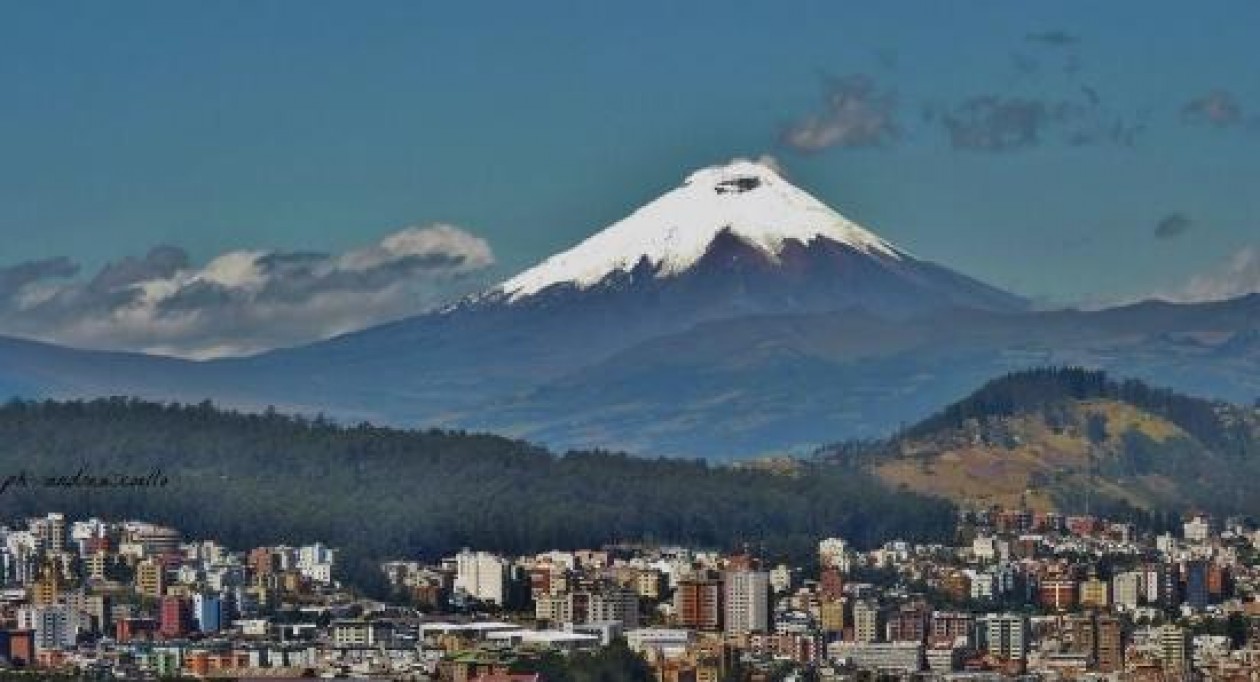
(377, 492)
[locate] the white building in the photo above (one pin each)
(781, 578)
(359, 633)
(984, 548)
(481, 575)
(316, 562)
(747, 597)
(661, 642)
(56, 627)
(835, 553)
(1197, 530)
(1126, 590)
(904, 657)
(983, 584)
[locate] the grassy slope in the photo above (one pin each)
(1025, 457)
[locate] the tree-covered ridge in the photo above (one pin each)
(268, 478)
(1075, 440)
(1228, 429)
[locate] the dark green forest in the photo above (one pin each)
(252, 479)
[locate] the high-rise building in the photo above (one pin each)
(1080, 634)
(173, 617)
(698, 603)
(781, 578)
(865, 620)
(948, 627)
(909, 623)
(482, 575)
(1007, 635)
(614, 605)
(831, 615)
(606, 604)
(150, 578)
(1126, 590)
(97, 609)
(97, 564)
(1159, 584)
(1109, 644)
(649, 583)
(834, 553)
(830, 584)
(208, 612)
(55, 627)
(1057, 593)
(1196, 584)
(56, 529)
(49, 586)
(746, 597)
(1173, 653)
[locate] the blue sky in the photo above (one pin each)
(1036, 146)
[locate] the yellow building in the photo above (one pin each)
(649, 583)
(48, 588)
(1095, 593)
(831, 615)
(150, 579)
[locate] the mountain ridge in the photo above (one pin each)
(706, 355)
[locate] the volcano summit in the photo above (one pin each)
(743, 235)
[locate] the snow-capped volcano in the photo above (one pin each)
(743, 199)
(737, 239)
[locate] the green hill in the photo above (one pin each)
(1069, 439)
(269, 478)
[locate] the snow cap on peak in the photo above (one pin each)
(738, 172)
(748, 199)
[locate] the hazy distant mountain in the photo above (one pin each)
(735, 314)
(757, 384)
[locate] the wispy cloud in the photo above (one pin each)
(241, 301)
(1055, 38)
(856, 113)
(998, 123)
(992, 123)
(1172, 225)
(1219, 108)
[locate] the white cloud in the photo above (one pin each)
(856, 114)
(1238, 276)
(766, 160)
(242, 301)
